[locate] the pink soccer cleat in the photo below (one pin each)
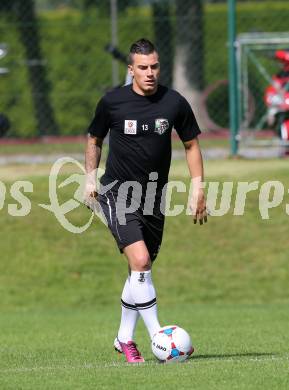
(131, 352)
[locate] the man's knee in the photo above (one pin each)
(138, 256)
(140, 262)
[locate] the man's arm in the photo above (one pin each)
(92, 159)
(195, 164)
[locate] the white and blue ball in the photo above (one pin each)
(172, 344)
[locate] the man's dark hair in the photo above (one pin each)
(142, 46)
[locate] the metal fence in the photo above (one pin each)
(56, 63)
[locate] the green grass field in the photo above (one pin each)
(78, 147)
(226, 283)
(42, 148)
(237, 347)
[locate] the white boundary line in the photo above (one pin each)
(192, 361)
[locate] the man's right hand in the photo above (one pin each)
(90, 195)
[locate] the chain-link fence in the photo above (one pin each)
(55, 62)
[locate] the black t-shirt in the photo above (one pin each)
(140, 132)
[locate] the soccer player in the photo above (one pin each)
(140, 118)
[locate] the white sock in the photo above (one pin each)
(129, 315)
(144, 296)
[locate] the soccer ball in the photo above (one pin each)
(172, 344)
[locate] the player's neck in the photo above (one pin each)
(140, 92)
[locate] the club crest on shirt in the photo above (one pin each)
(161, 125)
(130, 126)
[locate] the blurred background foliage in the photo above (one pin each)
(58, 66)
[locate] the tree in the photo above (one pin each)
(104, 5)
(24, 12)
(163, 39)
(189, 52)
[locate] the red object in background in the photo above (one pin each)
(276, 97)
(283, 56)
(276, 94)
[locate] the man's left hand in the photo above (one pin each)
(198, 207)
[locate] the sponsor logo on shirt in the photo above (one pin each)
(161, 125)
(130, 126)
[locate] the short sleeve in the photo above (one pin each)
(100, 124)
(185, 123)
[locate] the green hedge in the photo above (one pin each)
(79, 70)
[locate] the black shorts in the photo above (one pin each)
(137, 227)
